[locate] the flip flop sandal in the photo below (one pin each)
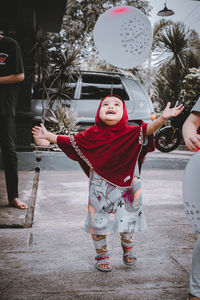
(103, 260)
(127, 247)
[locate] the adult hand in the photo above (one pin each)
(193, 142)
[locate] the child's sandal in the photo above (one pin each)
(128, 253)
(103, 260)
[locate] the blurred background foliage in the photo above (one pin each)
(60, 56)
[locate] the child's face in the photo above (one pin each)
(111, 111)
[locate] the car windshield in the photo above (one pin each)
(96, 87)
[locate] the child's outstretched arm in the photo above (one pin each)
(40, 133)
(166, 114)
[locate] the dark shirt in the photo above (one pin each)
(10, 64)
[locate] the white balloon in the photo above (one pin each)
(123, 36)
(191, 191)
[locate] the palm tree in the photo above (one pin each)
(176, 48)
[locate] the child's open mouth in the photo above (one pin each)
(110, 112)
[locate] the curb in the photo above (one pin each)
(31, 206)
(58, 161)
(165, 163)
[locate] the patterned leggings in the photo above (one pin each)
(101, 246)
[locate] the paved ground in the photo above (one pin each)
(16, 218)
(54, 259)
(57, 161)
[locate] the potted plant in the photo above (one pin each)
(56, 68)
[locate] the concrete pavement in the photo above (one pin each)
(54, 259)
(17, 218)
(53, 160)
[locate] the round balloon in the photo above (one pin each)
(191, 191)
(123, 36)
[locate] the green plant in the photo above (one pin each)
(177, 50)
(56, 68)
(63, 120)
(191, 87)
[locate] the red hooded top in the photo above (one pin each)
(112, 151)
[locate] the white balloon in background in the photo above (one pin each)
(191, 191)
(123, 36)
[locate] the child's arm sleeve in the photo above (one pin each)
(148, 146)
(65, 145)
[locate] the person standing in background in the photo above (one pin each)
(191, 137)
(11, 72)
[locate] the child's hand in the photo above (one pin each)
(172, 112)
(167, 113)
(43, 137)
(39, 132)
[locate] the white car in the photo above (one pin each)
(91, 87)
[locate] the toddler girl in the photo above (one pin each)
(111, 153)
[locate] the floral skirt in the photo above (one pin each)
(114, 209)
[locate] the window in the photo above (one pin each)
(96, 87)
